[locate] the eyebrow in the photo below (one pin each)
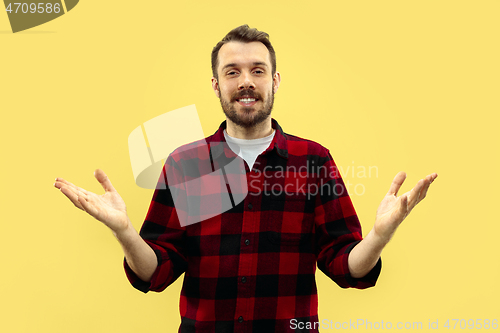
(258, 63)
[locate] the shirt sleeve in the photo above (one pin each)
(337, 228)
(162, 231)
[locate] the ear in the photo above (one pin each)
(276, 81)
(215, 87)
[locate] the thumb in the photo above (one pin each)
(104, 180)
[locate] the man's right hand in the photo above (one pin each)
(109, 208)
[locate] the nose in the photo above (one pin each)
(246, 81)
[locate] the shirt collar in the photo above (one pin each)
(218, 143)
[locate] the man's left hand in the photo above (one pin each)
(393, 209)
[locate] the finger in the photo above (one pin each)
(428, 180)
(415, 194)
(396, 183)
(433, 176)
(104, 180)
(72, 196)
(76, 190)
(63, 182)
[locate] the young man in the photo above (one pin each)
(250, 268)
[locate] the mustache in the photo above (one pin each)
(246, 92)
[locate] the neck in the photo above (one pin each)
(256, 132)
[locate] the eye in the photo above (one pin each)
(232, 73)
(259, 71)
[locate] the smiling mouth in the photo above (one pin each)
(247, 101)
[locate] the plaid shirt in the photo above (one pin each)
(252, 267)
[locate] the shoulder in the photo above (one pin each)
(300, 146)
(194, 150)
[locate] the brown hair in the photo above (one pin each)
(243, 34)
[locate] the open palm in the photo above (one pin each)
(108, 208)
(393, 209)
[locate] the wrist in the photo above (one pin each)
(379, 241)
(124, 232)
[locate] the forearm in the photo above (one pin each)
(364, 256)
(139, 255)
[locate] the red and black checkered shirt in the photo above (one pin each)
(252, 267)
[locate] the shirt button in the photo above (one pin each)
(247, 242)
(243, 279)
(250, 206)
(255, 171)
(240, 319)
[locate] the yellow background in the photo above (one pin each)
(400, 85)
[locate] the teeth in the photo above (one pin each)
(247, 100)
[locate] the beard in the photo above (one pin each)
(249, 117)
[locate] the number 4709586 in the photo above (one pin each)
(33, 8)
(471, 324)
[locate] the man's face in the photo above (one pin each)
(246, 85)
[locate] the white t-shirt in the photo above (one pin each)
(249, 149)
